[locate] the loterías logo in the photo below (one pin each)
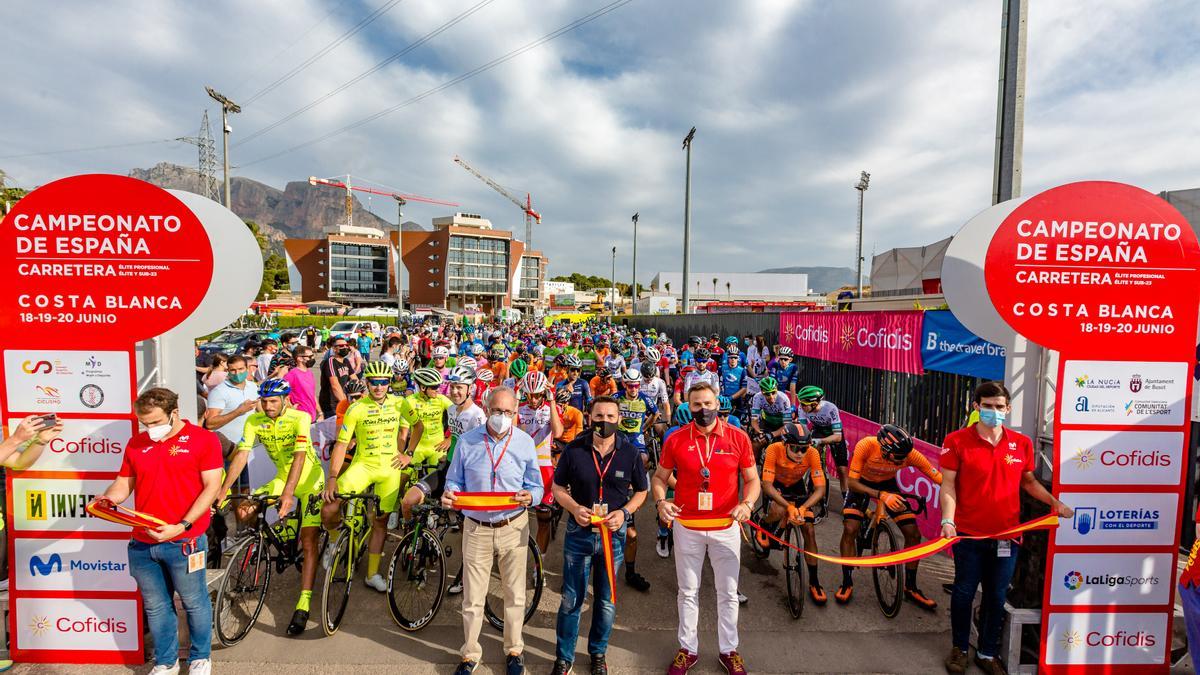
(32, 368)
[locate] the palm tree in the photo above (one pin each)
(715, 288)
(728, 291)
(668, 285)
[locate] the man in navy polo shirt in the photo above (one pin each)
(600, 470)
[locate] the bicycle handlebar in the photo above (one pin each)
(346, 496)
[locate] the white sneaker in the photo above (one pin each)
(742, 599)
(376, 581)
(663, 548)
(455, 588)
(200, 667)
(172, 669)
(394, 520)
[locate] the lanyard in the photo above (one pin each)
(604, 472)
(704, 458)
(496, 460)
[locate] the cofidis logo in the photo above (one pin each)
(1072, 639)
(69, 624)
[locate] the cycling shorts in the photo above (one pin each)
(796, 493)
(308, 503)
(857, 502)
(362, 475)
(841, 455)
(434, 482)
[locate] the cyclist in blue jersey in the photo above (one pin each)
(637, 416)
(733, 379)
(581, 392)
(786, 372)
(725, 411)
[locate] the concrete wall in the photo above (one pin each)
(682, 326)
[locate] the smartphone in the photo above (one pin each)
(48, 421)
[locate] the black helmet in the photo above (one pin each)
(796, 434)
(895, 442)
(649, 370)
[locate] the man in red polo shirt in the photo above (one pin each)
(174, 470)
(706, 456)
(984, 468)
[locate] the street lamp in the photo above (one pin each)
(864, 180)
(227, 107)
(687, 218)
(633, 287)
(612, 292)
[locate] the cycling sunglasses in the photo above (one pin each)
(379, 381)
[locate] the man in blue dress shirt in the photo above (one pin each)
(495, 457)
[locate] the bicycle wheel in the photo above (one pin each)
(796, 571)
(416, 580)
(889, 581)
(756, 546)
(339, 578)
(534, 580)
(243, 591)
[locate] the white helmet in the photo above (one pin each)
(632, 376)
(534, 382)
(467, 361)
(441, 352)
(485, 374)
(652, 355)
(477, 349)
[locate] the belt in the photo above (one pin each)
(496, 523)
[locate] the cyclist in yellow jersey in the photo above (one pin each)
(285, 433)
(428, 407)
(375, 424)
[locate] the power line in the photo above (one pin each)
(613, 6)
(88, 149)
(323, 51)
(291, 44)
(425, 38)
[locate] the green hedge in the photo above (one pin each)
(323, 321)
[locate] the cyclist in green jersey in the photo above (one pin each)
(424, 411)
(375, 423)
(285, 433)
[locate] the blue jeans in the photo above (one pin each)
(1190, 598)
(161, 570)
(583, 553)
(975, 562)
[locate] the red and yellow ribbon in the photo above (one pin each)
(1190, 577)
(705, 524)
(609, 563)
(486, 501)
(922, 550)
(115, 513)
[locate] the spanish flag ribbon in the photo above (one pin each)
(105, 509)
(485, 501)
(705, 524)
(922, 550)
(1190, 577)
(606, 543)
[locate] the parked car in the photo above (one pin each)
(229, 342)
(349, 329)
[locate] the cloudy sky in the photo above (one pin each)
(791, 100)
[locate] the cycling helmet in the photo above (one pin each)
(355, 388)
(683, 415)
(694, 341)
(275, 387)
(769, 385)
(477, 349)
(731, 340)
(573, 361)
(724, 404)
(796, 434)
(518, 368)
(895, 442)
(703, 354)
(282, 359)
(653, 355)
(810, 394)
(603, 373)
(485, 375)
(498, 348)
(534, 383)
(427, 377)
(649, 370)
(376, 369)
(467, 361)
(786, 351)
(560, 360)
(663, 339)
(714, 336)
(461, 374)
(400, 367)
(563, 395)
(440, 352)
(732, 353)
(631, 376)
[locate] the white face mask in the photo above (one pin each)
(159, 431)
(499, 423)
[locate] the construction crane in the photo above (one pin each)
(527, 207)
(401, 199)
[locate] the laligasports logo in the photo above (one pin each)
(41, 367)
(1089, 518)
(1073, 580)
(1084, 459)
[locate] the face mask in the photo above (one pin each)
(342, 351)
(604, 429)
(499, 423)
(159, 431)
(991, 418)
(238, 378)
(704, 416)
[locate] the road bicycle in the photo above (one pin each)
(344, 556)
(880, 535)
(243, 589)
(795, 570)
(417, 572)
(535, 580)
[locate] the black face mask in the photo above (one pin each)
(604, 429)
(704, 416)
(342, 351)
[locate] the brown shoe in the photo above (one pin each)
(956, 662)
(990, 666)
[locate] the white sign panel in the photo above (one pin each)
(1111, 579)
(1119, 519)
(84, 445)
(1099, 457)
(59, 505)
(1106, 638)
(72, 565)
(1125, 392)
(61, 381)
(63, 623)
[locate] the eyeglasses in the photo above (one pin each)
(379, 381)
(507, 413)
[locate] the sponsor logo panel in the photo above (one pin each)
(1111, 579)
(1124, 392)
(1113, 638)
(58, 505)
(84, 445)
(1118, 519)
(67, 381)
(72, 565)
(63, 623)
(1099, 457)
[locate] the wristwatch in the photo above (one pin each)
(187, 525)
(628, 515)
(947, 521)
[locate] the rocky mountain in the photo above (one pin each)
(299, 211)
(820, 279)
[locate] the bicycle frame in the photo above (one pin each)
(284, 553)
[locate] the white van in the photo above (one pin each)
(349, 329)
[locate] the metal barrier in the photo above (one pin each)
(682, 326)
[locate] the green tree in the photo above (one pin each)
(266, 289)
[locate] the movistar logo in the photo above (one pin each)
(45, 567)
